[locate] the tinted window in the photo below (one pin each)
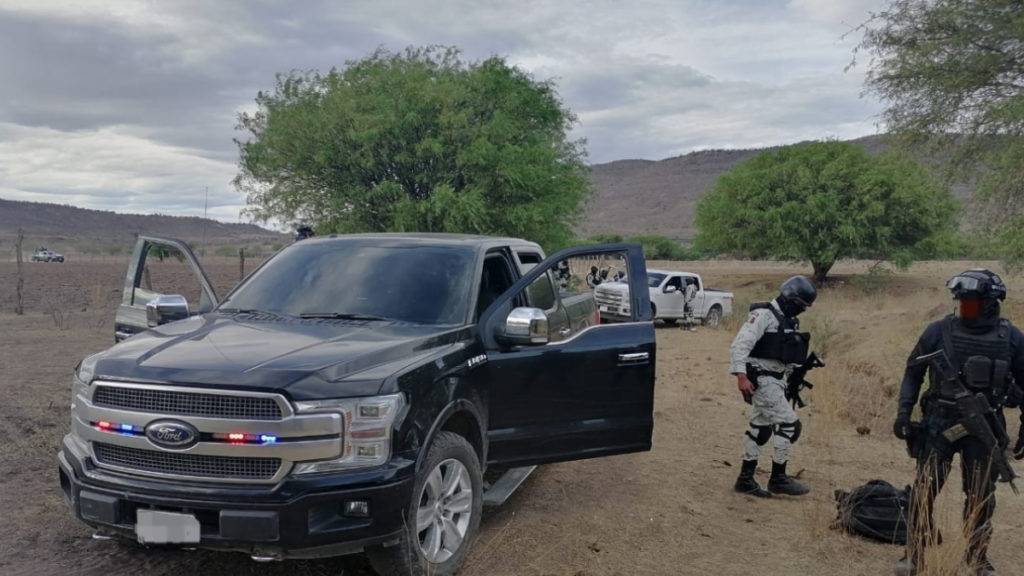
(541, 293)
(495, 280)
(654, 279)
(166, 270)
(423, 284)
(529, 260)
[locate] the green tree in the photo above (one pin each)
(415, 141)
(952, 75)
(822, 201)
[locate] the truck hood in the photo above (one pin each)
(612, 288)
(305, 358)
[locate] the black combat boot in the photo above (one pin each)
(746, 484)
(781, 483)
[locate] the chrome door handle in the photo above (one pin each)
(634, 357)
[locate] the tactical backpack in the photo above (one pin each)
(876, 510)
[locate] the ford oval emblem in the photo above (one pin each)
(172, 434)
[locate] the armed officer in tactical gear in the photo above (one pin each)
(764, 353)
(982, 357)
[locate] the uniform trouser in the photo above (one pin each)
(771, 416)
(934, 461)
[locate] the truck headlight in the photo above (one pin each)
(367, 425)
(86, 369)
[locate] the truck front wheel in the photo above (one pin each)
(443, 515)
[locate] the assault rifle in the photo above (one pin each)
(797, 380)
(976, 416)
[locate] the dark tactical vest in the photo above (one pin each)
(786, 343)
(982, 359)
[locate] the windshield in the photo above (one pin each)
(654, 279)
(422, 284)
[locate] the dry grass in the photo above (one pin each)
(669, 511)
(866, 333)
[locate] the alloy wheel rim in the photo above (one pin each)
(714, 318)
(444, 511)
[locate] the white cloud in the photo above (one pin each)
(131, 105)
(110, 169)
(849, 13)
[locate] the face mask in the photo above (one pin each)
(791, 309)
(970, 308)
(978, 313)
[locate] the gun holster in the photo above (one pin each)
(753, 373)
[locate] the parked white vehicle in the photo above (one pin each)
(46, 255)
(675, 297)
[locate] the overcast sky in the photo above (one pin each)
(131, 106)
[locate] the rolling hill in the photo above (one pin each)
(660, 197)
(65, 227)
(630, 197)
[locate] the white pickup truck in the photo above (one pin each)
(669, 302)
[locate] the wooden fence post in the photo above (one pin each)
(241, 264)
(19, 302)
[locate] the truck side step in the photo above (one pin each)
(503, 488)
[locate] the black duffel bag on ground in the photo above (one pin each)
(876, 510)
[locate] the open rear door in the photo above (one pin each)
(160, 267)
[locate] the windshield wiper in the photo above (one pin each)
(343, 316)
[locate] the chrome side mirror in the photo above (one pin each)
(166, 308)
(670, 289)
(525, 326)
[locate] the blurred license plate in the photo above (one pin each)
(604, 308)
(159, 527)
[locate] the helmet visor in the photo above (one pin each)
(963, 283)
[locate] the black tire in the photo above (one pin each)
(406, 558)
(714, 317)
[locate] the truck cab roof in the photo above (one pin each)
(671, 272)
(437, 239)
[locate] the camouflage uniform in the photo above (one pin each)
(771, 414)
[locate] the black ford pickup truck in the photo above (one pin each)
(350, 393)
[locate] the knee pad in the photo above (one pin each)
(790, 431)
(760, 434)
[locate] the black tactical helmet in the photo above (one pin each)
(798, 290)
(977, 283)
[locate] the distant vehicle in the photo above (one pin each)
(675, 297)
(45, 255)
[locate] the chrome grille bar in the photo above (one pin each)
(186, 403)
(298, 437)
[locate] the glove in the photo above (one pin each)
(1018, 450)
(901, 428)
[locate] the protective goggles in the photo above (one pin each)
(989, 288)
(964, 283)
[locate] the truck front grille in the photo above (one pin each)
(180, 403)
(195, 465)
(608, 298)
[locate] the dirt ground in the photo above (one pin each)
(669, 511)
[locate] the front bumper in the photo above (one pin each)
(297, 518)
